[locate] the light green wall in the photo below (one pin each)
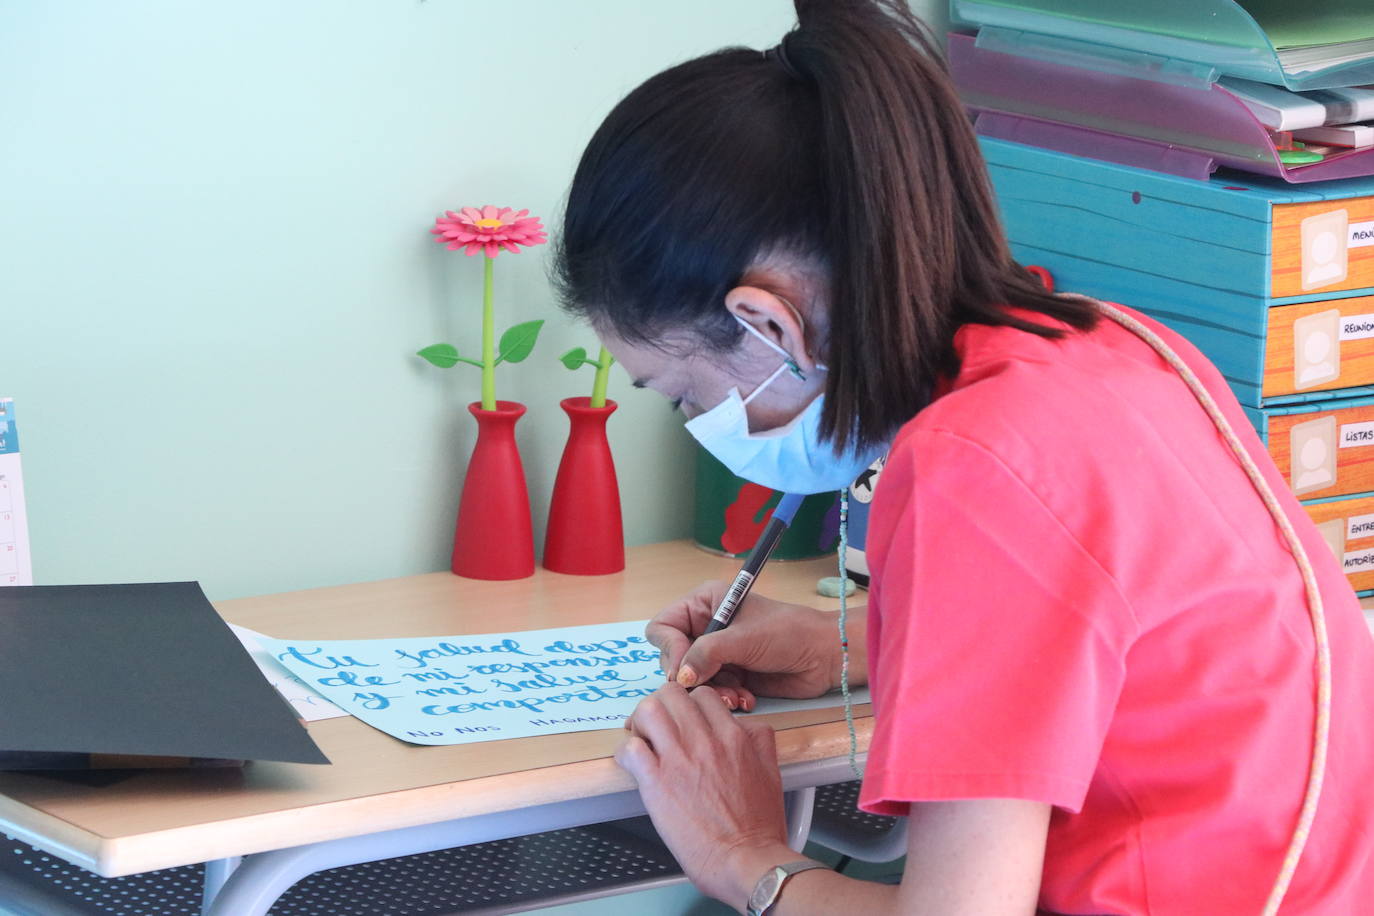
(215, 269)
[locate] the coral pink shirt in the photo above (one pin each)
(1080, 599)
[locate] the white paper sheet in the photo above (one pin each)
(309, 705)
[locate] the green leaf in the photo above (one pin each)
(518, 341)
(574, 358)
(443, 355)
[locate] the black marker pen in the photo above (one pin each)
(753, 564)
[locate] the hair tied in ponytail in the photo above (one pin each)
(778, 54)
(853, 157)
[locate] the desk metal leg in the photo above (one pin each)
(263, 877)
(217, 872)
(799, 805)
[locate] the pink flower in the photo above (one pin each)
(489, 229)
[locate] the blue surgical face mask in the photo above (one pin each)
(791, 458)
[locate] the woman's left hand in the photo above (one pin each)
(711, 785)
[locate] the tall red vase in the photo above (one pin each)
(494, 538)
(584, 536)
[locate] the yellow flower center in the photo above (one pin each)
(489, 224)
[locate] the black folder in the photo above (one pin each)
(92, 673)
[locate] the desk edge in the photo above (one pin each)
(118, 856)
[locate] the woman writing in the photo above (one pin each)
(1114, 667)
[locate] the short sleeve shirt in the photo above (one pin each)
(1079, 598)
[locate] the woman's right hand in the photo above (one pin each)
(770, 648)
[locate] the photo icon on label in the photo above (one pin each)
(1317, 349)
(1313, 448)
(1325, 249)
(1333, 532)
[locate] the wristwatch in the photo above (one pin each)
(769, 888)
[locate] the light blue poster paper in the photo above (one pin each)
(463, 689)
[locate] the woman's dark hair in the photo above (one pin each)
(850, 147)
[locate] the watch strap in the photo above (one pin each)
(769, 887)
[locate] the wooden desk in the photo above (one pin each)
(150, 820)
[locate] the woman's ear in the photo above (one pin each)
(773, 317)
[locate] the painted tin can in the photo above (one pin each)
(730, 513)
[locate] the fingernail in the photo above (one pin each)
(729, 703)
(686, 677)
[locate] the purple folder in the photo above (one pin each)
(1181, 130)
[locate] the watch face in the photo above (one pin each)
(767, 888)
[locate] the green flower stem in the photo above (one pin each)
(488, 339)
(603, 374)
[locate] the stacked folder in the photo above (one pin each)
(1146, 154)
(1184, 87)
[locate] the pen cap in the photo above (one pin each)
(786, 509)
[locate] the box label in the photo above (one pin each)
(1322, 245)
(1361, 234)
(1359, 526)
(1357, 327)
(1357, 434)
(1358, 561)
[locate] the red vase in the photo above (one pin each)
(493, 538)
(584, 536)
